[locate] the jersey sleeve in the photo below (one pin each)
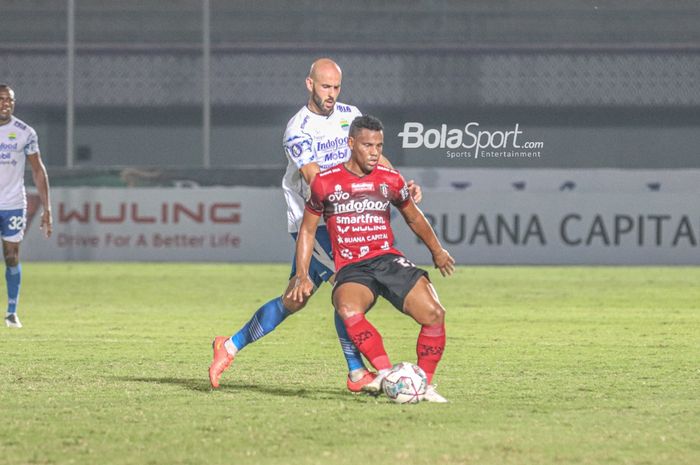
(298, 146)
(315, 203)
(355, 112)
(32, 145)
(401, 195)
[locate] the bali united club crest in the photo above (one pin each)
(384, 189)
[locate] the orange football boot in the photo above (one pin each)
(356, 386)
(222, 360)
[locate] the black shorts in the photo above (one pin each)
(390, 276)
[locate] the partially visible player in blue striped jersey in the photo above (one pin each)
(18, 143)
(315, 139)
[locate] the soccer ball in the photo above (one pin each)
(405, 383)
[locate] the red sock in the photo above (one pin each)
(431, 344)
(368, 340)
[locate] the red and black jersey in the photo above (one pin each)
(356, 210)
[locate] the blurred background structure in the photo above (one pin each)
(197, 92)
(211, 83)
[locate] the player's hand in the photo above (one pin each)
(415, 191)
(444, 262)
(46, 223)
(302, 290)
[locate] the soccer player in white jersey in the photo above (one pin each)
(18, 143)
(315, 139)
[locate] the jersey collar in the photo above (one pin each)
(365, 176)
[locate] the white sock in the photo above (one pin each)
(382, 373)
(230, 347)
(357, 374)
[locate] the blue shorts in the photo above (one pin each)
(322, 267)
(12, 224)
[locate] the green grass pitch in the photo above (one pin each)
(544, 365)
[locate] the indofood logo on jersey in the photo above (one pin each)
(4, 146)
(332, 144)
(480, 143)
(6, 152)
(335, 150)
(353, 206)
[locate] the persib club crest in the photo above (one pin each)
(384, 189)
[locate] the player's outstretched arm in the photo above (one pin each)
(421, 228)
(41, 181)
(303, 286)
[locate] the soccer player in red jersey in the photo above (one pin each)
(315, 139)
(355, 200)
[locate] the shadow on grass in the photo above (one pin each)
(202, 385)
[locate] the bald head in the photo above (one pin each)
(323, 84)
(323, 67)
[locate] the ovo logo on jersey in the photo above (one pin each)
(338, 195)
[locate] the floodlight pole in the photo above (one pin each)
(70, 85)
(206, 85)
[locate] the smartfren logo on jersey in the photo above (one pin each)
(480, 143)
(367, 218)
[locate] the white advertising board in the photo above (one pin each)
(249, 225)
(163, 224)
(555, 228)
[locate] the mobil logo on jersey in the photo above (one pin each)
(331, 159)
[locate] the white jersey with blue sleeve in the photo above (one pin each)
(17, 140)
(313, 138)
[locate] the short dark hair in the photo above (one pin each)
(365, 122)
(7, 86)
